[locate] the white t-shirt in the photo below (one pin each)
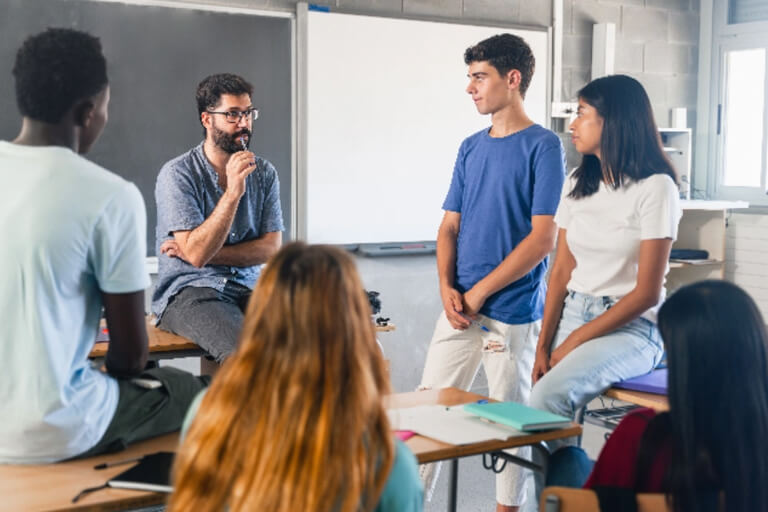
(70, 230)
(604, 231)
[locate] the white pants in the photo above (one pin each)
(507, 353)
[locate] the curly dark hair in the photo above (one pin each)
(505, 52)
(56, 68)
(210, 90)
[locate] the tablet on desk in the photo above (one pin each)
(152, 473)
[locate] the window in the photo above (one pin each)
(736, 162)
(741, 121)
(744, 11)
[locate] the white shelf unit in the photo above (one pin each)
(677, 146)
(702, 226)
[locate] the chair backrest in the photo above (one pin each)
(566, 499)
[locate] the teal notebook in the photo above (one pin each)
(518, 416)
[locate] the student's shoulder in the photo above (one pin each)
(103, 180)
(403, 491)
(542, 137)
(475, 138)
(659, 180)
(658, 185)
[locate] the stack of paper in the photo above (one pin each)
(450, 425)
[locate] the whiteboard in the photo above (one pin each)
(386, 111)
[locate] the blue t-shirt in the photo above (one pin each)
(498, 184)
(186, 193)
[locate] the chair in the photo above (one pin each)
(566, 499)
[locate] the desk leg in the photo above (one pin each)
(454, 483)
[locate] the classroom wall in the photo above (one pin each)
(656, 43)
(656, 40)
(746, 251)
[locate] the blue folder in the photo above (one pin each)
(654, 382)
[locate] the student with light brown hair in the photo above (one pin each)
(295, 419)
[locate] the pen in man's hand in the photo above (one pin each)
(472, 321)
(244, 145)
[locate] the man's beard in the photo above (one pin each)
(231, 143)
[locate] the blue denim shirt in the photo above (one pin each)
(186, 192)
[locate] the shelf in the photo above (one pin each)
(694, 263)
(700, 204)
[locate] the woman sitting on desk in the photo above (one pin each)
(617, 219)
(294, 420)
(710, 446)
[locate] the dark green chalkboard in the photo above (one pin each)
(156, 57)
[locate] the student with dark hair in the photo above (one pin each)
(493, 242)
(73, 241)
(218, 220)
(617, 219)
(708, 449)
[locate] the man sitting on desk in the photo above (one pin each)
(74, 239)
(218, 220)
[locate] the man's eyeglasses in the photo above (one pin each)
(234, 116)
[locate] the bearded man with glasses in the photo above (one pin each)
(218, 220)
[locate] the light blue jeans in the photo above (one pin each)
(594, 366)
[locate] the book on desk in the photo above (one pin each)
(518, 416)
(654, 382)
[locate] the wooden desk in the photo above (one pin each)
(51, 487)
(162, 345)
(654, 401)
(431, 450)
(166, 345)
(385, 328)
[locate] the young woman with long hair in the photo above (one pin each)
(617, 219)
(708, 450)
(294, 420)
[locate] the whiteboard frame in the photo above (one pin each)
(301, 178)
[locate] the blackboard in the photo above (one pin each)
(156, 57)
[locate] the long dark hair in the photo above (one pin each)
(630, 145)
(718, 400)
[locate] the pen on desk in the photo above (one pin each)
(105, 465)
(473, 321)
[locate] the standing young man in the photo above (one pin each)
(494, 239)
(218, 220)
(73, 240)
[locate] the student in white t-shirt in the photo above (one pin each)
(617, 219)
(74, 240)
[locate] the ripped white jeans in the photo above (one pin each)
(507, 353)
